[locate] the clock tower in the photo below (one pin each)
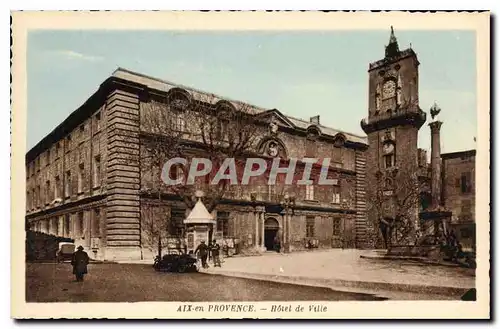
(394, 119)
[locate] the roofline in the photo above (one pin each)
(458, 154)
(85, 110)
(229, 99)
(405, 53)
(178, 85)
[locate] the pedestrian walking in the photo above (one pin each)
(215, 249)
(80, 260)
(202, 251)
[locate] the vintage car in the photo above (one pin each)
(176, 261)
(65, 251)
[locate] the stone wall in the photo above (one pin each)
(69, 178)
(53, 176)
(123, 176)
(459, 199)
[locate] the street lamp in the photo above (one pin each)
(288, 203)
(345, 207)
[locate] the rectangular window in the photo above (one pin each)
(68, 143)
(57, 188)
(67, 231)
(310, 192)
(181, 123)
(336, 226)
(58, 149)
(466, 183)
(336, 194)
(96, 222)
(81, 225)
(55, 223)
(271, 190)
(38, 196)
(48, 192)
(33, 198)
(176, 226)
(28, 201)
(337, 157)
(47, 162)
(223, 223)
(310, 148)
(309, 227)
(81, 177)
(178, 122)
(97, 171)
(98, 120)
(67, 184)
(466, 210)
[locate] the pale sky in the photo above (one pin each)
(302, 74)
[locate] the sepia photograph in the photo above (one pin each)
(229, 169)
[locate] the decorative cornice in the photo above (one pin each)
(390, 60)
(468, 153)
(416, 119)
(85, 203)
(85, 111)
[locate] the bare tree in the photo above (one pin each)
(225, 130)
(161, 140)
(185, 127)
(396, 203)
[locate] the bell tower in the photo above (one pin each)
(394, 119)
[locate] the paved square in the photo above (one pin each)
(139, 282)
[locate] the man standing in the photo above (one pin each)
(80, 261)
(215, 248)
(202, 251)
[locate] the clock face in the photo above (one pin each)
(389, 89)
(388, 148)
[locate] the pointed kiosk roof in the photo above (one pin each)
(199, 215)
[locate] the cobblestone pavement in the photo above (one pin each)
(136, 282)
(346, 265)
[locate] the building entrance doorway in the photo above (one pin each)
(271, 228)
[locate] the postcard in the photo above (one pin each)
(321, 165)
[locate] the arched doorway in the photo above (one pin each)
(271, 228)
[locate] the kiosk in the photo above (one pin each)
(199, 226)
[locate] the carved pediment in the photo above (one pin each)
(275, 117)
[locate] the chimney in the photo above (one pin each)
(314, 119)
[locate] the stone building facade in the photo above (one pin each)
(88, 180)
(459, 185)
(85, 180)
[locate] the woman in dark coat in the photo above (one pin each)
(80, 261)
